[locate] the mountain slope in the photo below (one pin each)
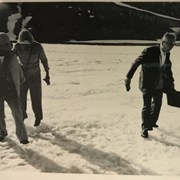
(56, 22)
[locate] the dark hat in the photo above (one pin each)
(25, 37)
(5, 43)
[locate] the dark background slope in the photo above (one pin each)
(167, 8)
(56, 22)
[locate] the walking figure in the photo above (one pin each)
(156, 77)
(30, 54)
(11, 78)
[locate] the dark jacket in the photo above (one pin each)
(151, 70)
(14, 71)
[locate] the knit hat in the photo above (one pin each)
(25, 37)
(5, 43)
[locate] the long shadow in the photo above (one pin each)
(167, 143)
(106, 161)
(169, 133)
(38, 161)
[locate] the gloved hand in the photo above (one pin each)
(127, 84)
(47, 78)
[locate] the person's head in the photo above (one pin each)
(25, 37)
(168, 41)
(5, 43)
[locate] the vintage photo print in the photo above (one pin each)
(89, 89)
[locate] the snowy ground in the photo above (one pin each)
(91, 124)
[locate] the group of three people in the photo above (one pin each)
(20, 72)
(156, 77)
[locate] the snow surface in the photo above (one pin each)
(91, 124)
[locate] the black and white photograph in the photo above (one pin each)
(90, 88)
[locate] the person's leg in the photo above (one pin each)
(36, 99)
(156, 106)
(146, 118)
(23, 98)
(3, 131)
(14, 104)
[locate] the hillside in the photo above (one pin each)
(57, 22)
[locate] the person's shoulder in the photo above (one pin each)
(153, 48)
(37, 44)
(11, 55)
(16, 45)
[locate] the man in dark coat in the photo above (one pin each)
(11, 78)
(155, 78)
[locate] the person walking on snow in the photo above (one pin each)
(11, 77)
(156, 77)
(30, 54)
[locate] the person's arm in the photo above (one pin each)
(21, 74)
(133, 68)
(169, 79)
(44, 62)
(15, 50)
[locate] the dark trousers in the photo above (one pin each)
(32, 84)
(14, 104)
(152, 101)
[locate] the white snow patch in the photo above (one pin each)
(91, 124)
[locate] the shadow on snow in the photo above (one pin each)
(39, 161)
(106, 161)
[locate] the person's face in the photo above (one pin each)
(167, 44)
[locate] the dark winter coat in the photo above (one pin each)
(151, 69)
(14, 71)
